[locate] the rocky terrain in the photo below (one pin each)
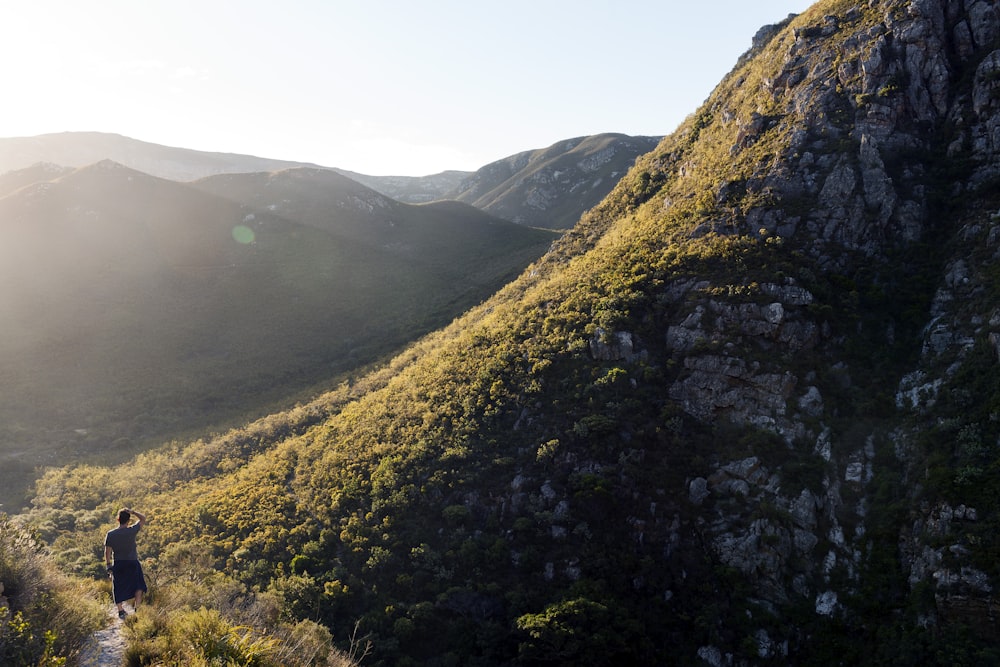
(882, 119)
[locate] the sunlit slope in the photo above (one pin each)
(138, 309)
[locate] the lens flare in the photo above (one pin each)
(243, 234)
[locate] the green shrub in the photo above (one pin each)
(21, 645)
(199, 637)
(47, 616)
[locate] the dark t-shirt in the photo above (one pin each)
(122, 542)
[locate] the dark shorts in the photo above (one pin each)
(127, 579)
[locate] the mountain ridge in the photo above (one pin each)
(78, 149)
(557, 185)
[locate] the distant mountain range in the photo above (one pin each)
(136, 308)
(548, 188)
(79, 149)
(413, 189)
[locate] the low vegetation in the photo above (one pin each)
(46, 618)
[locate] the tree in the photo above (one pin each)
(578, 631)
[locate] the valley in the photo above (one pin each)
(136, 314)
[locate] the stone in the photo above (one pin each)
(804, 541)
(710, 388)
(984, 22)
(812, 402)
(839, 185)
(698, 490)
(878, 187)
(965, 45)
(615, 346)
(683, 339)
(711, 655)
(855, 472)
(826, 603)
(790, 295)
(803, 510)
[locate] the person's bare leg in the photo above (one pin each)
(138, 598)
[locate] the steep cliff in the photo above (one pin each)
(861, 138)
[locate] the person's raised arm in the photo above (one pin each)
(142, 517)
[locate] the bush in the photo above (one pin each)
(47, 616)
(230, 625)
(577, 631)
(200, 637)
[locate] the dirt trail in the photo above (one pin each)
(107, 649)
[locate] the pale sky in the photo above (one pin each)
(399, 87)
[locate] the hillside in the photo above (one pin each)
(139, 310)
(548, 188)
(552, 187)
(744, 412)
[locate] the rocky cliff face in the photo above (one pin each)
(817, 476)
(748, 402)
(858, 133)
(862, 140)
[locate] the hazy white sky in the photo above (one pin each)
(374, 86)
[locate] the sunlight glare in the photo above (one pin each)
(243, 234)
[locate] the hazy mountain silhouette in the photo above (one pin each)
(79, 149)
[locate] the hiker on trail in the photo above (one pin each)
(126, 573)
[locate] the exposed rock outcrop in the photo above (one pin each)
(862, 107)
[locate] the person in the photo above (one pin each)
(126, 572)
